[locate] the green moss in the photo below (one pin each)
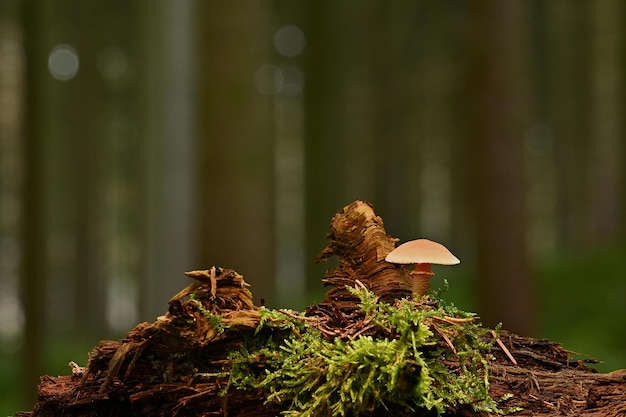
(404, 362)
(215, 320)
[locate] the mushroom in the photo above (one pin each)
(422, 253)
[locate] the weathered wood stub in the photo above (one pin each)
(178, 365)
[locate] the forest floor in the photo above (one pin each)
(370, 348)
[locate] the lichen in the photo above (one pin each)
(416, 355)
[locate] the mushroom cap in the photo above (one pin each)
(422, 251)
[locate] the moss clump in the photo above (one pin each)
(408, 355)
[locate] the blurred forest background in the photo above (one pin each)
(143, 139)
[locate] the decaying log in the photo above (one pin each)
(179, 364)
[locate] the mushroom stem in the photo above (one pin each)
(421, 279)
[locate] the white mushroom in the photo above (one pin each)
(422, 253)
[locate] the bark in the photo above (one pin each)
(179, 364)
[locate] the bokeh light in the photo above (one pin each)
(289, 41)
(63, 62)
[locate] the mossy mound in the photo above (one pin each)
(368, 349)
(404, 357)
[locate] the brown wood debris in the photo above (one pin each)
(358, 238)
(177, 365)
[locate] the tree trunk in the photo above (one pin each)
(325, 129)
(567, 96)
(167, 115)
(235, 150)
(33, 210)
(498, 109)
(606, 183)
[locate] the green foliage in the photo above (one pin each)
(279, 319)
(408, 364)
(581, 296)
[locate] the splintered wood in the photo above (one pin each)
(179, 364)
(358, 238)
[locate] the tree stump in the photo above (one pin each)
(199, 359)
